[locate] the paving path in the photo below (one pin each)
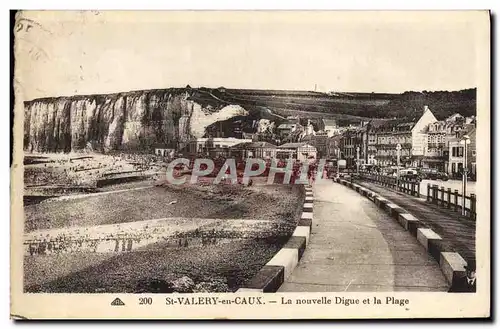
(355, 246)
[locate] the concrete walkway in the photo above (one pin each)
(355, 246)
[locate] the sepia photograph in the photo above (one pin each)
(266, 153)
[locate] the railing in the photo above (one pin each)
(451, 200)
(408, 186)
(436, 195)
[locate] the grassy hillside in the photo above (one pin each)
(353, 106)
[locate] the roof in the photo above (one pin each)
(454, 116)
(261, 145)
(401, 124)
(293, 145)
(470, 128)
(330, 122)
(354, 130)
(250, 145)
(467, 131)
(375, 123)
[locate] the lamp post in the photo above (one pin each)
(398, 154)
(465, 141)
(337, 151)
(357, 160)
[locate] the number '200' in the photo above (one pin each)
(145, 301)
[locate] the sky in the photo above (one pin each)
(67, 53)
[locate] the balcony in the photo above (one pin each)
(393, 145)
(436, 145)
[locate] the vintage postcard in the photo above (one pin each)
(251, 165)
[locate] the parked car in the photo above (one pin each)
(411, 174)
(433, 174)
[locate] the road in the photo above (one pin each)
(355, 246)
(453, 184)
(458, 232)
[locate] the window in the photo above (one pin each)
(454, 151)
(473, 153)
(453, 167)
(460, 151)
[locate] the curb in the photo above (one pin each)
(278, 269)
(451, 263)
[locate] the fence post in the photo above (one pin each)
(449, 198)
(435, 193)
(456, 200)
(428, 192)
(473, 206)
(442, 195)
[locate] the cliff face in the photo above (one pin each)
(126, 121)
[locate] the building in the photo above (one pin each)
(286, 129)
(382, 141)
(164, 150)
(213, 147)
(251, 136)
(470, 120)
(308, 132)
(439, 136)
(319, 141)
(472, 153)
(454, 118)
(352, 143)
(261, 150)
(333, 146)
(330, 127)
(298, 151)
(419, 138)
(382, 144)
(456, 153)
